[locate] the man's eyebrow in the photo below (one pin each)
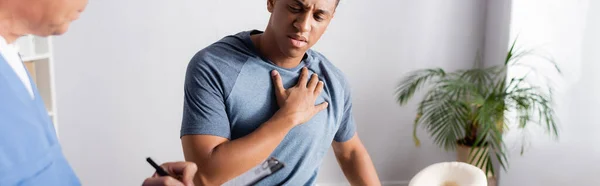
(304, 6)
(321, 11)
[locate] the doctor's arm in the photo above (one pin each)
(355, 162)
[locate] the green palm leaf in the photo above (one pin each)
(468, 106)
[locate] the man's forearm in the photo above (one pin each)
(233, 158)
(358, 167)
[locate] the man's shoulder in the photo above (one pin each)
(230, 51)
(237, 44)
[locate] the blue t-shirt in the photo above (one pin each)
(229, 93)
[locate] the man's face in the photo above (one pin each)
(298, 24)
(50, 17)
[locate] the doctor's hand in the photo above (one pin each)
(298, 102)
(183, 171)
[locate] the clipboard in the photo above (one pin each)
(256, 174)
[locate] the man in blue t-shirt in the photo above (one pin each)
(255, 95)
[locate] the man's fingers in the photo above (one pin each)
(279, 89)
(189, 173)
(162, 181)
(319, 88)
(321, 107)
(303, 80)
(186, 170)
(314, 79)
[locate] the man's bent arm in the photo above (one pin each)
(222, 160)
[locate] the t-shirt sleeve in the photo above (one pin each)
(204, 109)
(347, 126)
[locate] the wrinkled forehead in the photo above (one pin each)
(324, 5)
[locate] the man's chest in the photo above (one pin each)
(252, 102)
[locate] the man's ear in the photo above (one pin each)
(270, 5)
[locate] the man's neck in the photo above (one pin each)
(8, 28)
(267, 47)
(10, 38)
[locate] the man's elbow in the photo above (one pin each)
(206, 179)
(209, 174)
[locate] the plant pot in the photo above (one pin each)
(462, 153)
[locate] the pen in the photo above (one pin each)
(159, 170)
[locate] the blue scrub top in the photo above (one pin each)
(29, 149)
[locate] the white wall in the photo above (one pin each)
(497, 32)
(570, 32)
(121, 68)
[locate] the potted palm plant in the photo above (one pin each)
(468, 110)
